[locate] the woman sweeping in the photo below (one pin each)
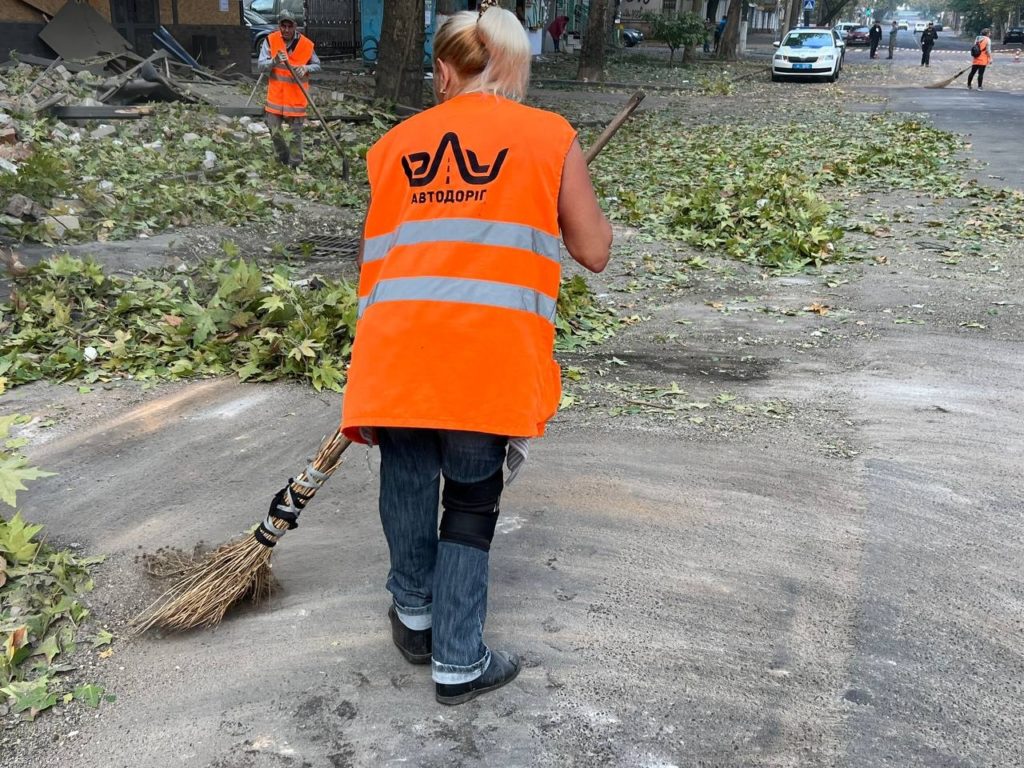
(452, 366)
(982, 53)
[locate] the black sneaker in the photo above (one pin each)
(504, 668)
(414, 644)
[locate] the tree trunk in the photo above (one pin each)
(728, 49)
(690, 52)
(400, 53)
(795, 10)
(592, 54)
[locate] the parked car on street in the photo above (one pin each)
(845, 26)
(809, 52)
(920, 26)
(259, 28)
(858, 36)
(1013, 35)
(632, 37)
(902, 24)
(938, 26)
(271, 9)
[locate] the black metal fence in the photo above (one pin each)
(333, 25)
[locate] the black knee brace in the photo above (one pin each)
(471, 511)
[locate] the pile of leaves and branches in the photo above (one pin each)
(67, 319)
(42, 617)
(766, 195)
(177, 167)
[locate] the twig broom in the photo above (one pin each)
(210, 586)
(948, 80)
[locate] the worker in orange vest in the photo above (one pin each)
(286, 103)
(452, 369)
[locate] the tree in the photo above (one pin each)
(400, 57)
(728, 48)
(690, 51)
(830, 11)
(592, 54)
(794, 15)
(686, 29)
(978, 14)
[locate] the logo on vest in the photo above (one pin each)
(421, 168)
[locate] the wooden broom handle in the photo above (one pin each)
(614, 125)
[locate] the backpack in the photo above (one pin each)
(976, 50)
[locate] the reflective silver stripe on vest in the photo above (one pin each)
(499, 233)
(287, 111)
(459, 290)
(285, 78)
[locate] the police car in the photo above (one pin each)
(809, 52)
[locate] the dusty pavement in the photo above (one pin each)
(826, 575)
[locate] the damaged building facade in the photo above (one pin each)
(210, 30)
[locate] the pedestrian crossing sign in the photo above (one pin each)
(808, 5)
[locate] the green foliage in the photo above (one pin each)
(14, 472)
(676, 31)
(581, 321)
(67, 319)
(719, 84)
(978, 14)
(43, 175)
(40, 610)
(766, 196)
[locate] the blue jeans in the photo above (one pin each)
(438, 584)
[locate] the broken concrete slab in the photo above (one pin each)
(58, 226)
(78, 32)
(103, 131)
(6, 166)
(62, 206)
(8, 136)
(19, 206)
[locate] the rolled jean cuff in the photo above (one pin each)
(416, 619)
(450, 674)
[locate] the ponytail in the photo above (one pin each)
(489, 50)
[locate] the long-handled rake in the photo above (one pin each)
(208, 587)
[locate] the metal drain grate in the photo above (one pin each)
(326, 247)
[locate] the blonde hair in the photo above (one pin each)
(489, 51)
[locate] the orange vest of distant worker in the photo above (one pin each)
(985, 57)
(461, 271)
(284, 96)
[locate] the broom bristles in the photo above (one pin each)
(947, 81)
(234, 571)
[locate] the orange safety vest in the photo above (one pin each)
(985, 57)
(284, 96)
(460, 275)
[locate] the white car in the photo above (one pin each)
(845, 26)
(902, 24)
(809, 53)
(920, 26)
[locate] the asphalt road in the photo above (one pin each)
(991, 120)
(839, 589)
(946, 41)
